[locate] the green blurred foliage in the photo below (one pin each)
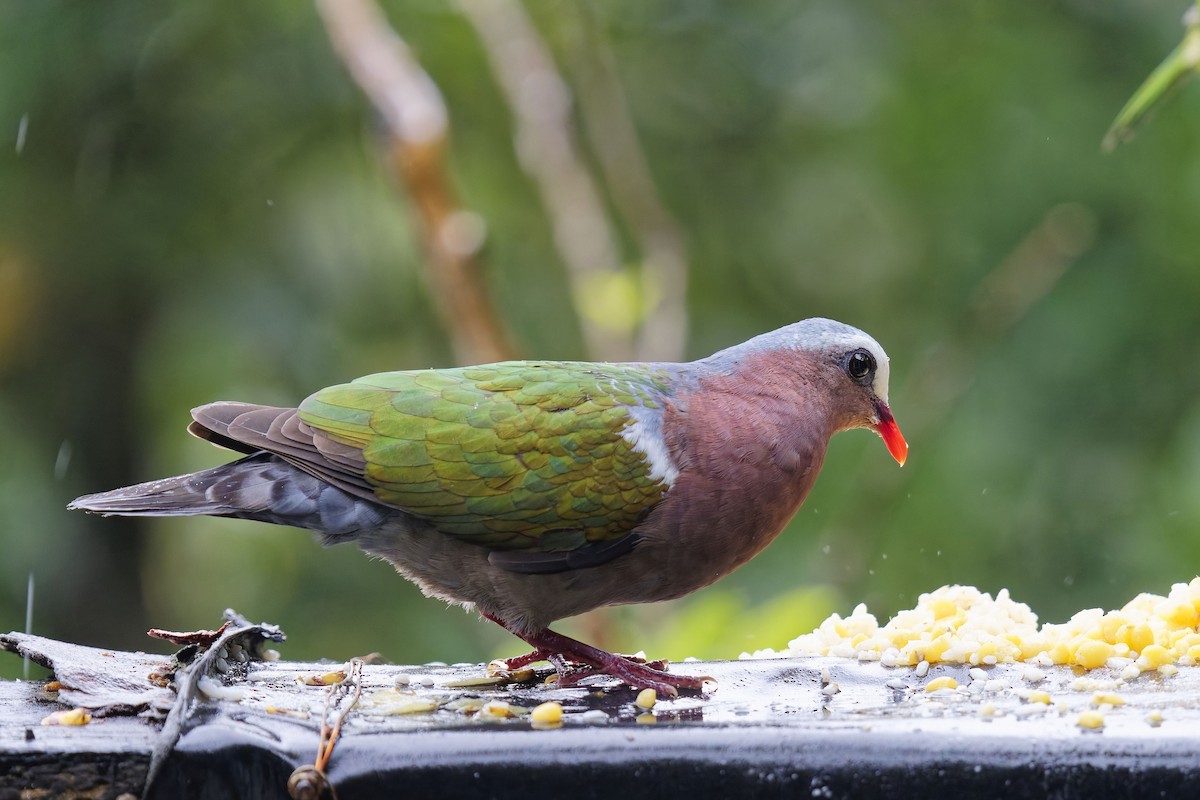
(198, 210)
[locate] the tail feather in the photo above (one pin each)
(262, 487)
(181, 496)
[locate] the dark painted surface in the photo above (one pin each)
(767, 729)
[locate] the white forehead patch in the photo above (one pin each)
(822, 334)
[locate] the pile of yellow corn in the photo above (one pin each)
(962, 625)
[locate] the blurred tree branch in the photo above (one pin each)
(417, 122)
(612, 301)
(612, 135)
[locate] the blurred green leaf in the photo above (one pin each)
(1168, 76)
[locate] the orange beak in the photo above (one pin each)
(890, 431)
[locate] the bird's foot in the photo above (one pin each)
(637, 673)
(575, 661)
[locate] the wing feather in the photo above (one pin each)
(530, 459)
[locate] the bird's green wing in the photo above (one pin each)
(518, 455)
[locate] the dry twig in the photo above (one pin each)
(541, 105)
(612, 135)
(310, 781)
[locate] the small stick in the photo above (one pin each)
(310, 781)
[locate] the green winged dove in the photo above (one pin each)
(536, 490)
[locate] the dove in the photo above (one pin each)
(531, 491)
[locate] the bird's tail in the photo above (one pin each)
(261, 487)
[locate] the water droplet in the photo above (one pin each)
(62, 460)
(22, 127)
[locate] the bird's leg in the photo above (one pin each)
(518, 662)
(559, 650)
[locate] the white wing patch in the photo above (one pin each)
(646, 439)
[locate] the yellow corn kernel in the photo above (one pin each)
(496, 708)
(1038, 696)
(647, 698)
(549, 713)
(1110, 626)
(328, 679)
(75, 716)
(1156, 655)
(1144, 602)
(1111, 698)
(1175, 640)
(1090, 720)
(942, 608)
(944, 682)
(1180, 614)
(1059, 653)
(1186, 642)
(1028, 647)
(1093, 653)
(935, 649)
(1138, 637)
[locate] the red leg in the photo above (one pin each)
(547, 643)
(519, 662)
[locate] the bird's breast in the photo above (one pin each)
(747, 463)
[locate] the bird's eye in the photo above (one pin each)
(860, 364)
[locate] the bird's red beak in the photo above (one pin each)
(890, 431)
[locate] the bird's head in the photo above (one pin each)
(865, 367)
(847, 367)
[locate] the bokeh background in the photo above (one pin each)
(196, 204)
